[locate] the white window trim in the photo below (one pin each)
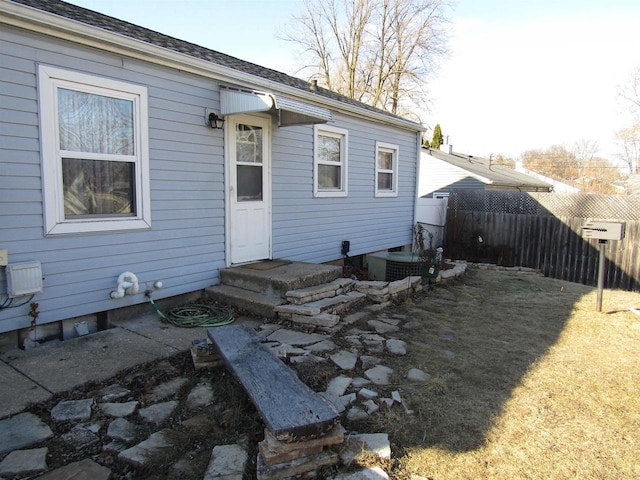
(343, 134)
(395, 154)
(55, 223)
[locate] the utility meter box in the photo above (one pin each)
(24, 279)
(603, 230)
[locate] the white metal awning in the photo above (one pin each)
(288, 110)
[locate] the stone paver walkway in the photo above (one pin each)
(143, 431)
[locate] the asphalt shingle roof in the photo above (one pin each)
(105, 22)
(499, 175)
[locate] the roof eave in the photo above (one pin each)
(32, 19)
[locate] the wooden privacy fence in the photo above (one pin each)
(535, 237)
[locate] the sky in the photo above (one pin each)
(520, 74)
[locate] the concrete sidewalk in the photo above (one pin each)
(34, 375)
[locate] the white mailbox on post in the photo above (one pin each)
(603, 230)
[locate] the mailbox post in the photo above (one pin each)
(603, 231)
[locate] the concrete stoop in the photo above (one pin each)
(260, 290)
(310, 295)
(246, 301)
(279, 279)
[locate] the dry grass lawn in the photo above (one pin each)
(528, 381)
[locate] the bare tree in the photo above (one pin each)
(584, 152)
(628, 139)
(629, 142)
(376, 51)
(630, 93)
(555, 162)
(601, 176)
(580, 167)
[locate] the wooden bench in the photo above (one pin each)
(290, 410)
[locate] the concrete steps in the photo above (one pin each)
(306, 294)
(277, 281)
(259, 289)
(246, 301)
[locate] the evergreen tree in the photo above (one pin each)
(437, 139)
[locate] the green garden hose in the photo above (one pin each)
(195, 315)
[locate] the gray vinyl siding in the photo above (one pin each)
(185, 247)
(311, 229)
(439, 176)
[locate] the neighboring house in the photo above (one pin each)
(558, 186)
(110, 165)
(441, 172)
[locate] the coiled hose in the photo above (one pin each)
(195, 315)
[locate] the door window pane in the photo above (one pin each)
(248, 144)
(97, 187)
(249, 178)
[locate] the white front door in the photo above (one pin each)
(249, 187)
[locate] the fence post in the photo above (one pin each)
(602, 244)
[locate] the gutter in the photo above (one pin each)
(45, 23)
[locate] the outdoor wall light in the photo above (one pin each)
(215, 121)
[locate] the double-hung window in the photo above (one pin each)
(95, 159)
(386, 170)
(330, 161)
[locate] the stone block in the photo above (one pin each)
(318, 292)
(272, 458)
(119, 409)
(21, 431)
(375, 285)
(201, 361)
(334, 437)
(24, 462)
(396, 347)
(84, 469)
(168, 389)
(338, 385)
(200, 396)
(379, 299)
(158, 413)
(356, 414)
(158, 446)
(367, 394)
(326, 320)
(416, 375)
(382, 327)
(291, 337)
(376, 443)
(344, 359)
(227, 462)
(122, 429)
(380, 375)
(292, 309)
(324, 346)
(371, 406)
(399, 286)
(369, 473)
(294, 467)
(72, 410)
